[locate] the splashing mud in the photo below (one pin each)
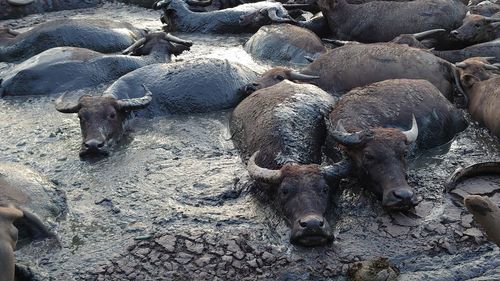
(175, 201)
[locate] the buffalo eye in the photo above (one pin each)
(369, 157)
(112, 116)
(477, 25)
(285, 191)
(324, 189)
(280, 77)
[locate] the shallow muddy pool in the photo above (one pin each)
(174, 201)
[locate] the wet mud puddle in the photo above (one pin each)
(175, 201)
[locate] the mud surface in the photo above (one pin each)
(175, 202)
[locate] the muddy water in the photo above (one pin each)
(174, 200)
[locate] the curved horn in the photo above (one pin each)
(171, 38)
(461, 64)
(197, 3)
(263, 174)
(132, 48)
(424, 34)
(67, 107)
(491, 67)
(340, 135)
(412, 134)
(136, 103)
(337, 170)
(294, 75)
(491, 19)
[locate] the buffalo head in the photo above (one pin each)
(378, 156)
(477, 29)
(274, 76)
(474, 70)
(101, 119)
(159, 42)
(303, 194)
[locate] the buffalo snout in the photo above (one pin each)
(402, 198)
(311, 230)
(94, 147)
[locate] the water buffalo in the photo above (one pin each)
(178, 88)
(353, 65)
(285, 43)
(369, 124)
(100, 35)
(487, 49)
(486, 214)
(477, 29)
(485, 8)
(381, 21)
(69, 68)
(10, 9)
(8, 240)
(243, 18)
(283, 128)
(483, 90)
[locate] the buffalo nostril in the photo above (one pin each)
(100, 145)
(93, 144)
(303, 224)
(255, 84)
(321, 223)
(454, 32)
(312, 222)
(403, 194)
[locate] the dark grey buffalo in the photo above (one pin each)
(381, 21)
(485, 8)
(243, 18)
(353, 65)
(373, 125)
(487, 49)
(68, 68)
(283, 128)
(483, 90)
(203, 85)
(11, 9)
(100, 35)
(477, 29)
(285, 43)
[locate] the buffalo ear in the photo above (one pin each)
(66, 107)
(468, 80)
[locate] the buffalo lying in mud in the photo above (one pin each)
(8, 240)
(368, 123)
(482, 87)
(283, 128)
(177, 88)
(477, 29)
(11, 9)
(285, 43)
(353, 65)
(487, 214)
(68, 68)
(487, 49)
(103, 36)
(381, 21)
(243, 18)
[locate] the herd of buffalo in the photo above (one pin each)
(387, 79)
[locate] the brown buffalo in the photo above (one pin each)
(8, 240)
(102, 118)
(283, 128)
(477, 29)
(381, 21)
(483, 89)
(371, 125)
(354, 65)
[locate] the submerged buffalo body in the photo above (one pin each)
(381, 21)
(283, 128)
(11, 9)
(243, 18)
(483, 90)
(178, 88)
(370, 122)
(68, 68)
(285, 43)
(8, 240)
(355, 65)
(103, 36)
